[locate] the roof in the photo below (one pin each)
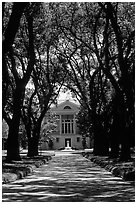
(66, 107)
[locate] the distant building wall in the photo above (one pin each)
(67, 130)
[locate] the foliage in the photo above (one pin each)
(18, 63)
(23, 136)
(97, 50)
(87, 47)
(83, 122)
(49, 125)
(47, 79)
(5, 129)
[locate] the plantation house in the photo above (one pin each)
(67, 133)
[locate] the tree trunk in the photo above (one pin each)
(114, 145)
(125, 146)
(9, 36)
(90, 140)
(13, 142)
(13, 138)
(30, 139)
(101, 145)
(33, 143)
(32, 147)
(114, 139)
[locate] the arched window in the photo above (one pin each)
(67, 107)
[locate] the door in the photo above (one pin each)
(68, 142)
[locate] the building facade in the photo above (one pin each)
(67, 132)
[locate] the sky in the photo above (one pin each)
(66, 96)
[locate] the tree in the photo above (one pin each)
(48, 126)
(22, 136)
(85, 126)
(5, 130)
(16, 72)
(95, 41)
(124, 33)
(82, 66)
(47, 79)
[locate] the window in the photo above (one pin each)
(78, 139)
(63, 128)
(67, 107)
(67, 126)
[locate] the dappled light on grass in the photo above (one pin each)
(69, 178)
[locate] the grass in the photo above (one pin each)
(125, 170)
(14, 170)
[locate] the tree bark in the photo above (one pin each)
(125, 146)
(33, 142)
(13, 139)
(114, 142)
(101, 145)
(9, 36)
(126, 83)
(32, 147)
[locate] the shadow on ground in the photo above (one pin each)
(69, 178)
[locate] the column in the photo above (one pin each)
(60, 125)
(74, 126)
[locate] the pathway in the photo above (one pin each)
(69, 177)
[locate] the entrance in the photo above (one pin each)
(68, 142)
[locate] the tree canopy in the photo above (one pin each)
(87, 47)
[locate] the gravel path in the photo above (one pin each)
(69, 178)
